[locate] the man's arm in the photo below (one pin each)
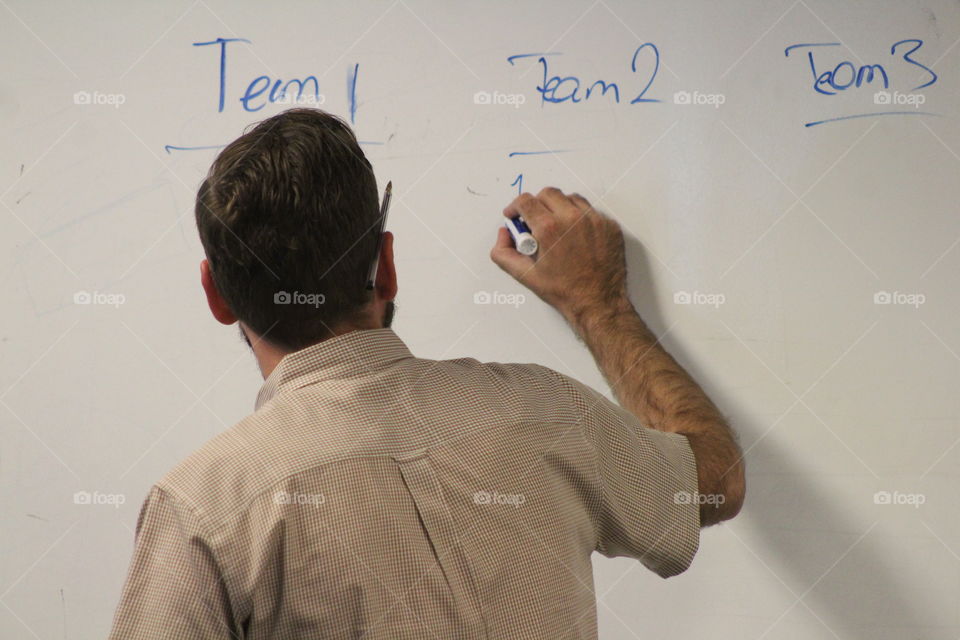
(581, 271)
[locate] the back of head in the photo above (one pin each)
(288, 218)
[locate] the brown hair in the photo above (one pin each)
(288, 219)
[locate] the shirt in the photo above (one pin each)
(378, 495)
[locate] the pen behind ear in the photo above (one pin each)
(384, 209)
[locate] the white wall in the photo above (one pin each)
(835, 397)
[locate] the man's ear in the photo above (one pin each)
(387, 270)
(218, 306)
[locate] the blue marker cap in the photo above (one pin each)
(523, 238)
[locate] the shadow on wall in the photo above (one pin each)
(802, 528)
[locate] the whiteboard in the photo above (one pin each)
(786, 175)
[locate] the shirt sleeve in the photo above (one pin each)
(174, 587)
(648, 486)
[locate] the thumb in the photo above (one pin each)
(505, 255)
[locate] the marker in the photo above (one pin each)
(523, 238)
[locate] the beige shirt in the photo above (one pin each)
(378, 495)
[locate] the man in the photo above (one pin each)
(375, 494)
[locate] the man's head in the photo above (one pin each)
(289, 219)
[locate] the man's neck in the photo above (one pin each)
(269, 355)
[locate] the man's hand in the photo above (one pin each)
(580, 261)
(580, 269)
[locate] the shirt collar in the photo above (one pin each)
(337, 357)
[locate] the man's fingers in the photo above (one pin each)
(532, 210)
(506, 256)
(581, 202)
(555, 200)
(546, 212)
(504, 241)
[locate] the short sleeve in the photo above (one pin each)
(647, 486)
(174, 587)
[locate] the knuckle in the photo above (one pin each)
(548, 191)
(524, 200)
(580, 199)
